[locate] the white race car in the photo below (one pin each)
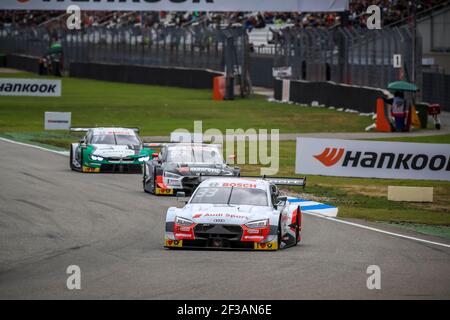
(236, 213)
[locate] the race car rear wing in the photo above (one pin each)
(299, 182)
(279, 181)
(86, 129)
(162, 144)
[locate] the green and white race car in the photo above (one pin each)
(109, 150)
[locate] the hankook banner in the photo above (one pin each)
(180, 5)
(371, 159)
(30, 87)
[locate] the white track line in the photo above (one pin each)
(377, 230)
(65, 153)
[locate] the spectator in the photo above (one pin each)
(399, 110)
(392, 11)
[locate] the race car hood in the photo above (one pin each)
(195, 169)
(116, 151)
(220, 214)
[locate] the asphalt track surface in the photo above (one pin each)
(51, 218)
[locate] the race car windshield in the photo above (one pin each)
(194, 155)
(126, 140)
(116, 139)
(231, 196)
(251, 197)
(103, 139)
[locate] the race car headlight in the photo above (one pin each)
(96, 158)
(183, 222)
(257, 224)
(144, 159)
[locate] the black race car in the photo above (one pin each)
(180, 166)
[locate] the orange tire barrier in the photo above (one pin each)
(219, 88)
(383, 124)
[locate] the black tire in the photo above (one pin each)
(153, 191)
(297, 228)
(144, 171)
(72, 167)
(279, 233)
(153, 179)
(81, 159)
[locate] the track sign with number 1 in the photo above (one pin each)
(397, 61)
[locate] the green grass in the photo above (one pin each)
(57, 139)
(439, 231)
(160, 110)
(427, 139)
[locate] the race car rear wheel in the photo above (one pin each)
(152, 181)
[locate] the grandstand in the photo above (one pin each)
(394, 11)
(318, 46)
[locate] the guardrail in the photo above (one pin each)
(330, 94)
(162, 76)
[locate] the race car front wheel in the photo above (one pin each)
(144, 177)
(72, 167)
(297, 227)
(152, 181)
(279, 233)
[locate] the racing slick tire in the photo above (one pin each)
(297, 228)
(72, 167)
(144, 171)
(152, 191)
(279, 240)
(71, 159)
(297, 232)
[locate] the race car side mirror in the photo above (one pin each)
(181, 197)
(281, 201)
(82, 141)
(181, 194)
